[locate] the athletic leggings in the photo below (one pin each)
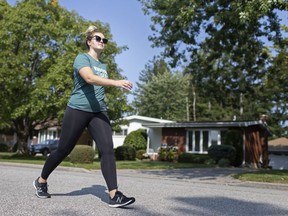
(74, 123)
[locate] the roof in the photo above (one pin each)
(279, 142)
(206, 124)
(148, 119)
(278, 146)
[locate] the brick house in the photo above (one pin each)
(196, 137)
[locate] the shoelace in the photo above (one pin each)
(42, 188)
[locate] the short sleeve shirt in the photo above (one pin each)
(87, 97)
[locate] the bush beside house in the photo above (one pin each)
(136, 139)
(234, 138)
(82, 154)
(125, 153)
(219, 152)
(193, 158)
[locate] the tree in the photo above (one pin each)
(221, 43)
(247, 9)
(179, 26)
(154, 67)
(276, 90)
(38, 43)
(163, 95)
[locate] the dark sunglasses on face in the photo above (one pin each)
(98, 39)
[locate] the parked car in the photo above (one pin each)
(44, 148)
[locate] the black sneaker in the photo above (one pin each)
(41, 189)
(120, 200)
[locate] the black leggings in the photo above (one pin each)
(74, 123)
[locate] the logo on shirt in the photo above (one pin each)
(100, 72)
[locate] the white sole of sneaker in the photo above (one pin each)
(122, 205)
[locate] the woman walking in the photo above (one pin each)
(87, 109)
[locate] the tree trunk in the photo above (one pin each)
(22, 131)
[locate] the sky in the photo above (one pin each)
(128, 25)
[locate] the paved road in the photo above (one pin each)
(79, 192)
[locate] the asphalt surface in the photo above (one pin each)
(79, 192)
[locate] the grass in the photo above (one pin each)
(271, 176)
(12, 158)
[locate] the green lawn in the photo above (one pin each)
(271, 176)
(8, 157)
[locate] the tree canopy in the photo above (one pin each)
(162, 93)
(231, 49)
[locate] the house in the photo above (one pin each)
(196, 137)
(135, 122)
(278, 153)
(9, 139)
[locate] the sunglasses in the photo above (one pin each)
(98, 39)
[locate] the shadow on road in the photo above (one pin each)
(219, 205)
(204, 173)
(95, 190)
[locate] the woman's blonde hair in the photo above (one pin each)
(89, 33)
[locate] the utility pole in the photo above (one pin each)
(194, 105)
(241, 104)
(187, 109)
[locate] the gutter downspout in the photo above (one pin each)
(148, 141)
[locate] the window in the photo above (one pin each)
(190, 140)
(198, 141)
(123, 132)
(205, 141)
(214, 136)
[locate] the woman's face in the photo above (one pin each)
(98, 41)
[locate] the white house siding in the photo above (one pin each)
(135, 123)
(155, 138)
(118, 140)
(50, 133)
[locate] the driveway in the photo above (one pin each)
(82, 192)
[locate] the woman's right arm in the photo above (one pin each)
(87, 74)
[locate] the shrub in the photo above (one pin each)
(136, 139)
(193, 158)
(217, 152)
(224, 162)
(139, 154)
(234, 138)
(125, 153)
(167, 154)
(210, 161)
(82, 154)
(3, 147)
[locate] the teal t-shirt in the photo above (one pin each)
(87, 97)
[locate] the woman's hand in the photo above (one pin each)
(126, 84)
